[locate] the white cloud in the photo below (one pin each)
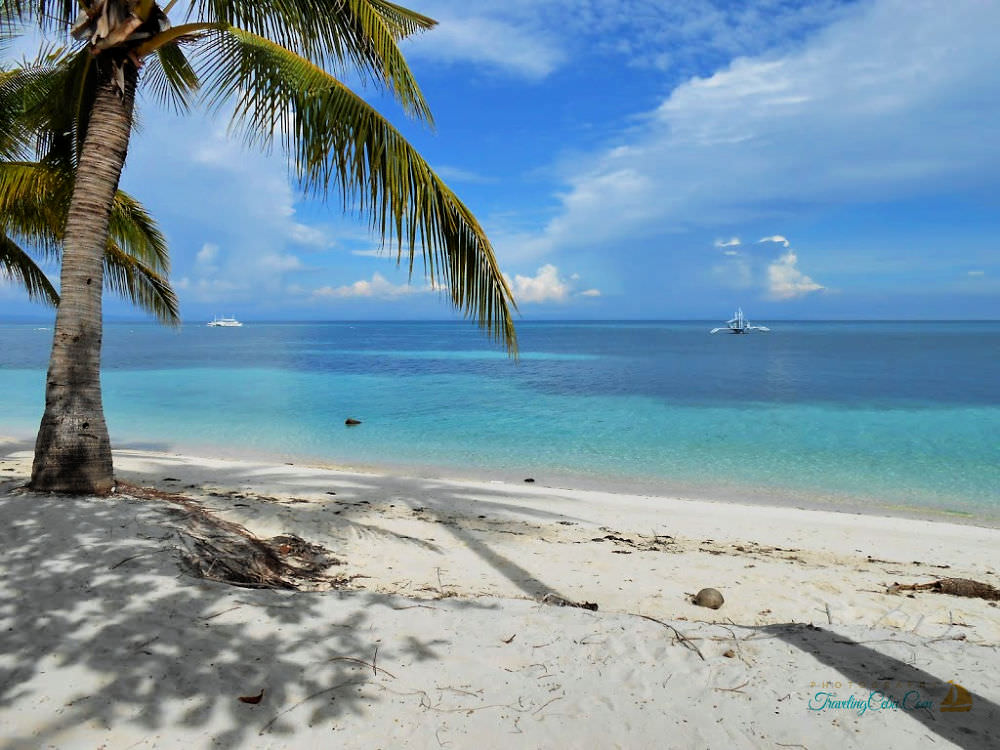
(731, 253)
(373, 253)
(774, 238)
(545, 286)
(977, 273)
(310, 236)
(208, 253)
(590, 293)
(786, 281)
(532, 39)
(378, 287)
(731, 242)
(887, 103)
(494, 42)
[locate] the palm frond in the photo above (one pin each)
(402, 22)
(171, 78)
(133, 230)
(55, 15)
(17, 265)
(335, 138)
(33, 200)
(139, 284)
(347, 35)
(45, 106)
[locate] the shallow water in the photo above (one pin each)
(885, 414)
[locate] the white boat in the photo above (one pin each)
(739, 324)
(229, 322)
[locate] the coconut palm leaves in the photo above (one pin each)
(34, 196)
(33, 200)
(274, 62)
(281, 96)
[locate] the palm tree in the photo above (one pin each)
(269, 60)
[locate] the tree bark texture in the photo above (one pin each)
(73, 450)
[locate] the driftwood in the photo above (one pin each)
(559, 601)
(224, 551)
(953, 586)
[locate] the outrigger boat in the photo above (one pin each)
(739, 324)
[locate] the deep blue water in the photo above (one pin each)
(884, 414)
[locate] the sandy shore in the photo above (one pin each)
(446, 635)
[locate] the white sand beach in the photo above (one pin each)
(445, 629)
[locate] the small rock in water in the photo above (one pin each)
(529, 479)
(352, 421)
(708, 598)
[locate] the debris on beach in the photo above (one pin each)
(953, 586)
(559, 601)
(710, 598)
(219, 550)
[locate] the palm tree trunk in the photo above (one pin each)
(73, 451)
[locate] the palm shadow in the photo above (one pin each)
(91, 594)
(978, 728)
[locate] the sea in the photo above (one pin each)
(887, 417)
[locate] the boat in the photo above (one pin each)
(229, 322)
(739, 324)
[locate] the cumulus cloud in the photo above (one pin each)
(545, 286)
(731, 242)
(378, 287)
(786, 281)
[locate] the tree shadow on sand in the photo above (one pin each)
(439, 502)
(91, 591)
(976, 728)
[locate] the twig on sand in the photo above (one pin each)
(415, 606)
(363, 663)
(141, 554)
(547, 703)
(317, 694)
(679, 635)
(782, 744)
(737, 689)
(217, 614)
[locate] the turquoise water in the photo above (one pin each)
(886, 415)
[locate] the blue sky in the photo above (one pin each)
(637, 159)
